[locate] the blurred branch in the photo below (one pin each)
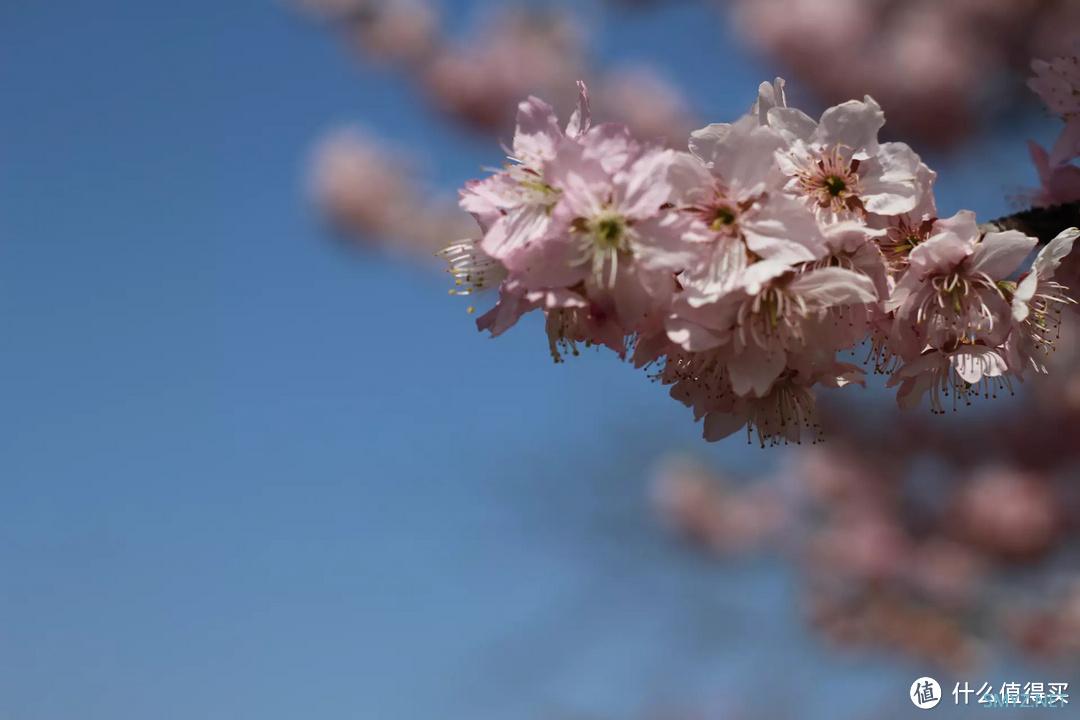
(1041, 222)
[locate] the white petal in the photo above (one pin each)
(691, 336)
(762, 272)
(1050, 257)
(852, 124)
(833, 286)
(792, 123)
(742, 156)
(689, 177)
(952, 241)
(1000, 253)
(1021, 300)
(770, 95)
(973, 363)
(888, 180)
(781, 228)
(703, 141)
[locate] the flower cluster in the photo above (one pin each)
(1057, 82)
(738, 272)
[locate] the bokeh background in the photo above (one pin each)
(255, 465)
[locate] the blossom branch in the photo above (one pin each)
(741, 271)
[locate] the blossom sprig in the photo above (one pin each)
(739, 272)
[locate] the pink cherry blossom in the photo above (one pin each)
(514, 206)
(1057, 82)
(951, 293)
(837, 165)
(739, 272)
(1037, 303)
(962, 374)
(1057, 183)
(733, 195)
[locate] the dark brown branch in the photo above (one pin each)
(1043, 223)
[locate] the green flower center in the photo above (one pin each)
(722, 217)
(835, 185)
(609, 231)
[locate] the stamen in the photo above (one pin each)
(471, 268)
(602, 239)
(832, 183)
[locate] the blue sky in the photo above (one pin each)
(248, 474)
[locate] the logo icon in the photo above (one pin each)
(925, 693)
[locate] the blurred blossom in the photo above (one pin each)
(1057, 82)
(880, 569)
(514, 54)
(1049, 628)
(947, 571)
(394, 31)
(1063, 397)
(868, 546)
(1057, 183)
(1008, 513)
(648, 103)
(878, 618)
(359, 183)
(709, 510)
(402, 31)
(515, 51)
(927, 62)
(365, 189)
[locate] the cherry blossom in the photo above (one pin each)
(837, 165)
(1037, 302)
(514, 206)
(1057, 82)
(738, 272)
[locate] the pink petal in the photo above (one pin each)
(537, 132)
(582, 117)
(1067, 146)
(754, 370)
(720, 425)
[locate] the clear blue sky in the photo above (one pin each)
(245, 474)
